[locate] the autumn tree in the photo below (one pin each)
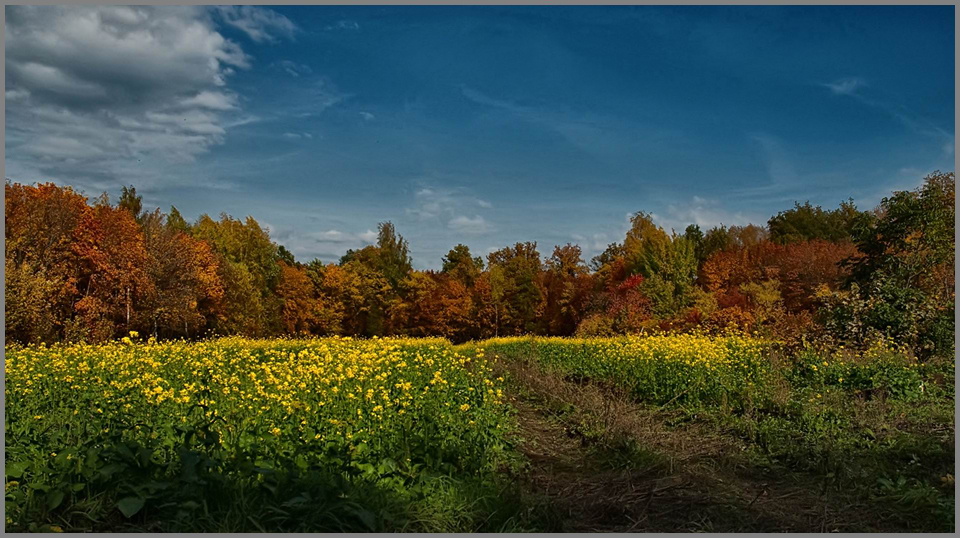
(299, 312)
(187, 288)
(112, 277)
(567, 287)
(41, 264)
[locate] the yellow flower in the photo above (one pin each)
(465, 407)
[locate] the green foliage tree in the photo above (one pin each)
(522, 295)
(176, 222)
(694, 234)
(394, 256)
(907, 268)
(132, 202)
(805, 222)
(253, 264)
(462, 266)
(716, 239)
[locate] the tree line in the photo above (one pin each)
(88, 270)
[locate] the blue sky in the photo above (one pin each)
(481, 125)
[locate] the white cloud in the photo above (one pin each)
(212, 100)
(367, 116)
(13, 95)
(368, 236)
(468, 225)
(331, 235)
(258, 23)
(484, 204)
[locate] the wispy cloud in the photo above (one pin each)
(258, 23)
(294, 69)
(450, 207)
(297, 136)
(845, 86)
(597, 136)
(852, 87)
(703, 212)
(347, 25)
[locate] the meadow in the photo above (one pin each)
(331, 434)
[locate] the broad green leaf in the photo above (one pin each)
(130, 505)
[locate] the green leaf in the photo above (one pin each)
(130, 505)
(367, 518)
(78, 486)
(54, 498)
(16, 469)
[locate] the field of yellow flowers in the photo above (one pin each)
(341, 434)
(657, 368)
(138, 424)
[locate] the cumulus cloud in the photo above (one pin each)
(94, 93)
(327, 245)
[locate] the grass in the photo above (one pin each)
(800, 452)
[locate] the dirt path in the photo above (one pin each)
(602, 463)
